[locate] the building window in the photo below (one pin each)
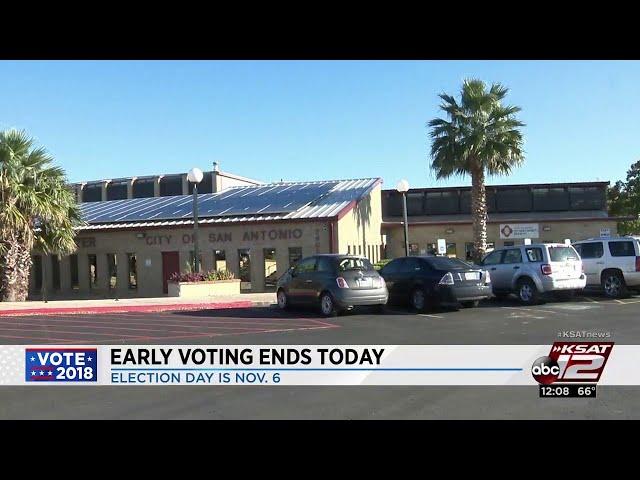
(73, 269)
(117, 190)
(391, 204)
(550, 199)
(93, 270)
(514, 200)
(295, 254)
(92, 193)
(469, 250)
(143, 188)
(205, 186)
(414, 249)
(465, 201)
(587, 198)
(171, 185)
(451, 250)
(270, 269)
(348, 249)
(359, 249)
(112, 268)
(192, 263)
(509, 243)
(415, 203)
(132, 262)
(37, 272)
(442, 203)
(219, 260)
(244, 267)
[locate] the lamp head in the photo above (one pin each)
(402, 186)
(195, 175)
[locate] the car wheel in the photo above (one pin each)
(613, 285)
(528, 292)
(418, 300)
(470, 303)
(327, 305)
(283, 300)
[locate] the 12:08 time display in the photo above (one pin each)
(568, 391)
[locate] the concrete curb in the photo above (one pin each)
(131, 308)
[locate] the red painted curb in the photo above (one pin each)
(125, 309)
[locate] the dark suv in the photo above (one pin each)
(332, 282)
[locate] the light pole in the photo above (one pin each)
(403, 187)
(195, 176)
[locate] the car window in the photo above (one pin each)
(354, 263)
(445, 263)
(393, 266)
(513, 255)
(562, 254)
(590, 250)
(306, 265)
(534, 254)
(324, 264)
(493, 258)
(622, 249)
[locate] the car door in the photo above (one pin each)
(593, 260)
(391, 275)
(300, 288)
(623, 254)
(491, 263)
(509, 268)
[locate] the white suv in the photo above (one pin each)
(613, 263)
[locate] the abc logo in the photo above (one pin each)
(545, 370)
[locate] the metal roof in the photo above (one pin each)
(266, 202)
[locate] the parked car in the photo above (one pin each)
(530, 271)
(612, 263)
(332, 282)
(433, 280)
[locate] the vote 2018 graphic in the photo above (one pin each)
(61, 364)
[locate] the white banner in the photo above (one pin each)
(290, 365)
(519, 230)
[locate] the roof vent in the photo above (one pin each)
(216, 167)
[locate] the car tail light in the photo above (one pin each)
(637, 264)
(487, 278)
(546, 269)
(342, 283)
(447, 279)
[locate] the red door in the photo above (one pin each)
(170, 265)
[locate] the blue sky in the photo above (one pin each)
(313, 120)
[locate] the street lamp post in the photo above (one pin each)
(195, 176)
(403, 187)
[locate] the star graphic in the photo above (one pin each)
(50, 373)
(33, 359)
(89, 359)
(41, 372)
(33, 373)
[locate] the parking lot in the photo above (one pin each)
(494, 322)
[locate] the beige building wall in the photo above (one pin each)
(148, 245)
(457, 235)
(358, 232)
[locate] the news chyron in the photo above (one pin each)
(572, 369)
(50, 365)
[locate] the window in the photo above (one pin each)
(622, 249)
(359, 249)
(513, 200)
(509, 243)
(469, 250)
(550, 199)
(55, 271)
(513, 256)
(205, 186)
(171, 185)
(324, 264)
(394, 266)
(117, 190)
(348, 249)
(590, 250)
(414, 249)
(93, 270)
(143, 188)
(219, 260)
(295, 254)
(412, 265)
(465, 201)
(562, 254)
(444, 263)
(37, 272)
(451, 250)
(132, 262)
(587, 198)
(534, 254)
(352, 263)
(415, 203)
(270, 268)
(92, 193)
(73, 270)
(306, 265)
(442, 203)
(244, 267)
(493, 258)
(192, 262)
(392, 204)
(112, 265)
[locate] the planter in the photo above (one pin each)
(204, 289)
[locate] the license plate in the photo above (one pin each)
(472, 275)
(365, 282)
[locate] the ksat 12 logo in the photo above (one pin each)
(572, 362)
(61, 364)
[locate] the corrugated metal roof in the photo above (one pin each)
(174, 211)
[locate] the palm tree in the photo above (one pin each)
(38, 210)
(480, 136)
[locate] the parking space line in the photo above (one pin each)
(528, 309)
(589, 299)
(432, 316)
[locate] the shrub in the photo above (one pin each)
(214, 275)
(381, 263)
(209, 276)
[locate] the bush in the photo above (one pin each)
(212, 275)
(381, 263)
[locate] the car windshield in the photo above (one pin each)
(446, 263)
(345, 264)
(562, 254)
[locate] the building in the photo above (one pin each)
(130, 247)
(157, 186)
(549, 212)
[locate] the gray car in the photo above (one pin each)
(332, 282)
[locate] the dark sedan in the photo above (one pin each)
(432, 281)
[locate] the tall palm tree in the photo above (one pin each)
(38, 210)
(480, 136)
